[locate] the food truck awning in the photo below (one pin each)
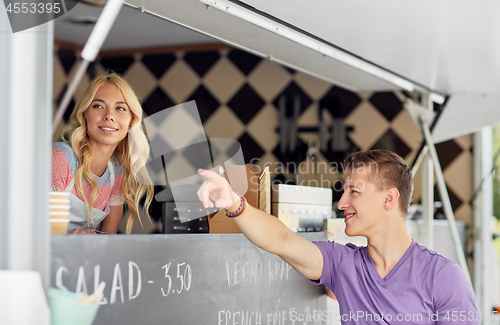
(450, 48)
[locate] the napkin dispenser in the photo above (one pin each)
(186, 202)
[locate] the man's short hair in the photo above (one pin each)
(386, 170)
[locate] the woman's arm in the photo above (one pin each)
(111, 223)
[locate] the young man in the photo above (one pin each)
(392, 280)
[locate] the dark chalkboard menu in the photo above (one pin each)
(185, 279)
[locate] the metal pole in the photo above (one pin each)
(26, 106)
(443, 192)
(483, 212)
(5, 71)
(427, 178)
(419, 160)
(26, 110)
(69, 92)
(428, 200)
(476, 206)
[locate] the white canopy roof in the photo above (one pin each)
(446, 47)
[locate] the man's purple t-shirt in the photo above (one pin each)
(423, 288)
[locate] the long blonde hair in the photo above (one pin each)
(131, 153)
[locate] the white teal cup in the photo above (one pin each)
(65, 309)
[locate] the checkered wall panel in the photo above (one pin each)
(238, 94)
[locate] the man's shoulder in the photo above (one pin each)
(429, 253)
(432, 260)
(334, 243)
(332, 246)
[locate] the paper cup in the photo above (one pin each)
(58, 208)
(59, 226)
(59, 196)
(66, 310)
(59, 214)
(58, 202)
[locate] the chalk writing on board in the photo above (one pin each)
(278, 317)
(183, 276)
(222, 279)
(252, 272)
(227, 317)
(278, 271)
(177, 281)
(237, 272)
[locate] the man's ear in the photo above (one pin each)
(391, 198)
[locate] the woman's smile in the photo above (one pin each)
(108, 129)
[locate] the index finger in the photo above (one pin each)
(212, 176)
(207, 173)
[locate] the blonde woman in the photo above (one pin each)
(100, 161)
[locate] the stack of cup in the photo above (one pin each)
(59, 212)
